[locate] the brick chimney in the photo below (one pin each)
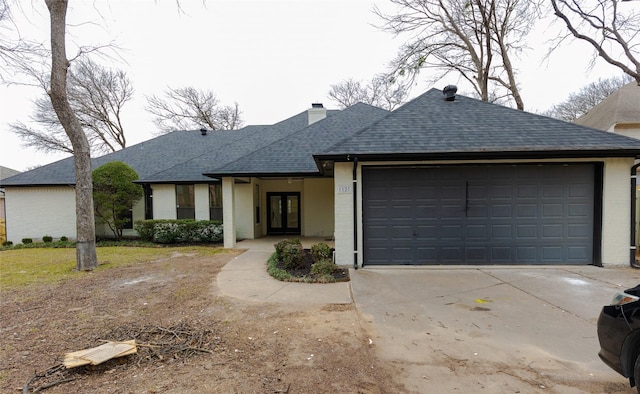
(316, 112)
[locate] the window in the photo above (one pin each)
(148, 202)
(127, 215)
(215, 201)
(185, 201)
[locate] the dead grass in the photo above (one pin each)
(22, 267)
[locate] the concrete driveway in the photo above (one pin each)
(492, 329)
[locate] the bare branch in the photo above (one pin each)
(383, 91)
(613, 32)
(189, 108)
(472, 38)
(97, 96)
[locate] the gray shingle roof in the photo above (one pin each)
(180, 156)
(431, 127)
(293, 154)
(250, 140)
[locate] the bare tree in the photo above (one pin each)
(474, 38)
(86, 258)
(188, 108)
(580, 102)
(610, 27)
(17, 55)
(382, 91)
(97, 96)
(48, 135)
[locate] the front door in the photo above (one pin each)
(284, 213)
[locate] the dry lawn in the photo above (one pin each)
(195, 341)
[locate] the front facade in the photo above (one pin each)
(434, 182)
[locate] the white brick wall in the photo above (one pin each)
(343, 214)
(616, 212)
(33, 212)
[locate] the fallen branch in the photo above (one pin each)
(39, 375)
(49, 385)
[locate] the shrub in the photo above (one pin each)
(27, 241)
(7, 243)
(323, 267)
(114, 193)
(63, 239)
(290, 253)
(47, 239)
(320, 252)
(275, 271)
(177, 231)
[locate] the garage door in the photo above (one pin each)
(498, 214)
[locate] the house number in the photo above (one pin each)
(344, 189)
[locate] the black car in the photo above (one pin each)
(619, 335)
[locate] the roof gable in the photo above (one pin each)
(293, 154)
(622, 106)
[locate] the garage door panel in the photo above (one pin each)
(552, 254)
(501, 232)
(553, 190)
(501, 214)
(580, 210)
(477, 232)
(498, 192)
(501, 210)
(577, 253)
(527, 211)
(452, 254)
(526, 231)
(577, 231)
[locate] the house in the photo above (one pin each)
(619, 113)
(444, 179)
(4, 173)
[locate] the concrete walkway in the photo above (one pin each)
(246, 278)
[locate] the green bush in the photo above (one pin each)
(275, 271)
(7, 243)
(47, 239)
(290, 253)
(320, 252)
(179, 231)
(63, 239)
(27, 241)
(323, 267)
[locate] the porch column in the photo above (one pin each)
(228, 217)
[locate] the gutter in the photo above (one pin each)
(355, 213)
(632, 248)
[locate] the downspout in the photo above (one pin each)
(355, 213)
(632, 248)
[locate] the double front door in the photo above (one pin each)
(284, 213)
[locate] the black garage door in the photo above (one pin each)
(485, 214)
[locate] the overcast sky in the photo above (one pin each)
(274, 58)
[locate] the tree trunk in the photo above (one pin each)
(86, 258)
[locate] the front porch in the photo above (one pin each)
(278, 207)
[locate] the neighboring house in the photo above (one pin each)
(434, 182)
(4, 173)
(619, 113)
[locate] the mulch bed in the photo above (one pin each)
(340, 274)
